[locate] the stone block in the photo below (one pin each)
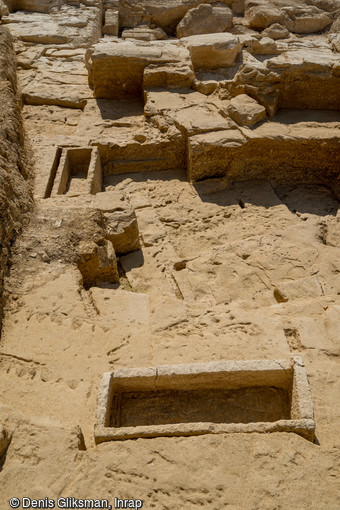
(245, 110)
(205, 19)
(212, 51)
(116, 70)
(276, 31)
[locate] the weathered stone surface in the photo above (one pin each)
(3, 9)
(309, 19)
(293, 79)
(233, 153)
(210, 154)
(205, 19)
(335, 40)
(63, 27)
(212, 51)
(144, 34)
(299, 289)
(246, 111)
(276, 31)
(57, 82)
(301, 19)
(168, 76)
(263, 16)
(116, 70)
(164, 13)
(190, 111)
(33, 5)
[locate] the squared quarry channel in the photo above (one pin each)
(79, 172)
(202, 398)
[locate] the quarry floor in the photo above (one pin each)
(200, 289)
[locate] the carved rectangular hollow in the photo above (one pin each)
(217, 397)
(79, 172)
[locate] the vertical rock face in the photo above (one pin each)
(15, 200)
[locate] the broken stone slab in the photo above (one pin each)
(281, 383)
(246, 111)
(43, 6)
(68, 96)
(167, 14)
(116, 69)
(168, 76)
(64, 27)
(200, 119)
(264, 15)
(299, 19)
(144, 34)
(276, 31)
(296, 78)
(265, 46)
(162, 101)
(60, 80)
(191, 111)
(212, 51)
(307, 19)
(205, 19)
(39, 31)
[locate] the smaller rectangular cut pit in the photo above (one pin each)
(222, 397)
(79, 172)
(79, 162)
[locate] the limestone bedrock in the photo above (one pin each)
(169, 195)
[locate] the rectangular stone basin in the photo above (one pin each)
(217, 397)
